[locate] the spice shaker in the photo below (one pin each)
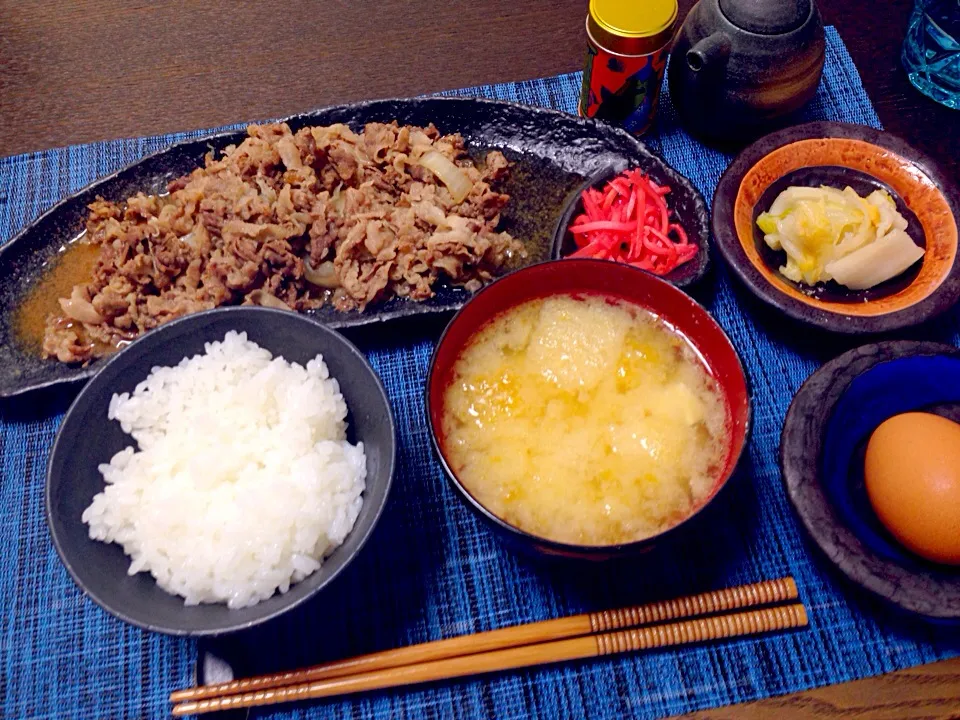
(627, 45)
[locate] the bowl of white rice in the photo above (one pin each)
(220, 471)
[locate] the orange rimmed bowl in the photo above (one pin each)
(836, 155)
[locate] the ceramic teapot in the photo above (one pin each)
(739, 66)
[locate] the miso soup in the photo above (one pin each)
(584, 420)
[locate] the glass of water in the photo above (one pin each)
(931, 52)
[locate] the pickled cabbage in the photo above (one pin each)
(830, 234)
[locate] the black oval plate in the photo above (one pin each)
(553, 152)
(821, 459)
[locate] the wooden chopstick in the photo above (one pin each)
(680, 633)
(742, 596)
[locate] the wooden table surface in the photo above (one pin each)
(77, 71)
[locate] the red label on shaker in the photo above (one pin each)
(622, 89)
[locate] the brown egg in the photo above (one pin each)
(912, 474)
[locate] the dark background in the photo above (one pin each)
(75, 71)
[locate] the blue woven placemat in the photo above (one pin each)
(431, 570)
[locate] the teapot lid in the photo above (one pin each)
(766, 17)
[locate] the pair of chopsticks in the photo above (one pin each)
(549, 641)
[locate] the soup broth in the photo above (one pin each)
(584, 420)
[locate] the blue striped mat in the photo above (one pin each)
(430, 570)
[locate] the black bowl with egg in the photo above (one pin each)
(87, 438)
(613, 282)
(822, 458)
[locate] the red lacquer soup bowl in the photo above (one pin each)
(615, 281)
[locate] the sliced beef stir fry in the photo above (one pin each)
(291, 220)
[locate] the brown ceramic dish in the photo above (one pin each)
(839, 154)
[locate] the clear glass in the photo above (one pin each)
(931, 51)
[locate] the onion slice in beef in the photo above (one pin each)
(324, 275)
(79, 307)
(449, 174)
(337, 199)
(265, 299)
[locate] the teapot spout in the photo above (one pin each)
(711, 52)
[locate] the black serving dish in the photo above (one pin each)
(684, 200)
(552, 153)
(821, 457)
(87, 438)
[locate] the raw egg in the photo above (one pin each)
(912, 475)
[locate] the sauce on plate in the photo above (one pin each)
(73, 265)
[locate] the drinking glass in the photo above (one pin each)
(931, 51)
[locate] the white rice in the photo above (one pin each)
(244, 480)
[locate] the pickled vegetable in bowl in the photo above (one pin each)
(630, 222)
(829, 234)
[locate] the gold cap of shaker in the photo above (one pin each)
(632, 27)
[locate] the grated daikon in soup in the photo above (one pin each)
(584, 420)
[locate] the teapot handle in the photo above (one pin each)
(713, 50)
